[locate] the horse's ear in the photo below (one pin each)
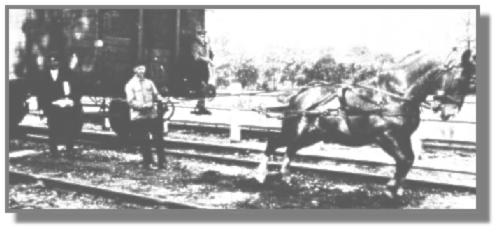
(466, 56)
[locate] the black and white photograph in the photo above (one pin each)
(160, 108)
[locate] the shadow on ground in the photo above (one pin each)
(307, 192)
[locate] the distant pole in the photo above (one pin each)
(468, 37)
(140, 33)
(177, 33)
(97, 25)
(468, 31)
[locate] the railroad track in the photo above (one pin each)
(123, 196)
(106, 139)
(259, 132)
(262, 132)
(243, 150)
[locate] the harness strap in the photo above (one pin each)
(348, 111)
(383, 92)
(326, 99)
(343, 102)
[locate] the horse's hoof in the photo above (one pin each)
(286, 177)
(389, 194)
(393, 192)
(260, 175)
(391, 184)
(285, 171)
(260, 178)
(399, 192)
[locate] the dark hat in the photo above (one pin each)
(200, 30)
(54, 55)
(139, 63)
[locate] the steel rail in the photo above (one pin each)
(89, 136)
(100, 191)
(263, 132)
(100, 140)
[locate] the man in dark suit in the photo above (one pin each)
(59, 97)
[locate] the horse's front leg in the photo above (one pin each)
(291, 151)
(400, 149)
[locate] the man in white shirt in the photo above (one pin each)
(142, 97)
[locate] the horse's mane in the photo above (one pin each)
(400, 76)
(422, 80)
(417, 72)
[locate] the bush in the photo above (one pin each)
(247, 73)
(292, 71)
(222, 82)
(325, 69)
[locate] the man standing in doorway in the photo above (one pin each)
(142, 97)
(202, 56)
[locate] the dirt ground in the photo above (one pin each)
(222, 186)
(37, 196)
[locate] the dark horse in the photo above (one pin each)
(347, 114)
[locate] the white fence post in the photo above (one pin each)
(234, 129)
(107, 124)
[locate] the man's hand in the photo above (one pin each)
(207, 60)
(145, 106)
(162, 99)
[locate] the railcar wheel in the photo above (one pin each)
(119, 118)
(210, 92)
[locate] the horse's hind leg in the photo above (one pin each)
(307, 136)
(288, 133)
(273, 143)
(400, 149)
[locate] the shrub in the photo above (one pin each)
(247, 73)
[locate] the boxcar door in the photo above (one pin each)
(159, 39)
(119, 32)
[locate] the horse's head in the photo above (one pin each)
(455, 85)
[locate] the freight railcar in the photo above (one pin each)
(101, 46)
